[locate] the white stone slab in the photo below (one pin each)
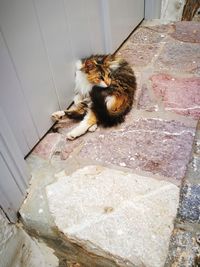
(116, 214)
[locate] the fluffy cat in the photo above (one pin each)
(105, 87)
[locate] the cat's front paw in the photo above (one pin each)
(56, 116)
(69, 113)
(71, 135)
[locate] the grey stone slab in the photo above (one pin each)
(183, 250)
(190, 203)
(116, 215)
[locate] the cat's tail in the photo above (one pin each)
(109, 108)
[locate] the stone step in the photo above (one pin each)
(106, 217)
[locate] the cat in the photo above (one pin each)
(105, 87)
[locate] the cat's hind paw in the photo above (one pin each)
(56, 116)
(71, 136)
(92, 128)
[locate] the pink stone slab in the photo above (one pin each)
(181, 95)
(139, 55)
(69, 147)
(179, 57)
(147, 36)
(146, 101)
(160, 147)
(47, 145)
(187, 31)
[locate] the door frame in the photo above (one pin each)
(14, 176)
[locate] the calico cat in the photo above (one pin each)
(105, 87)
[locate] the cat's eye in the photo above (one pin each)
(101, 77)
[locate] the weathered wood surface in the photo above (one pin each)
(190, 9)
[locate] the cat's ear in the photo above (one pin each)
(108, 58)
(89, 65)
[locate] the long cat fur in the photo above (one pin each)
(105, 87)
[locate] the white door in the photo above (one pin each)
(14, 176)
(120, 19)
(40, 40)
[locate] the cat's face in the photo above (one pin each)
(97, 70)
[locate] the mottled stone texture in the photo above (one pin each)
(145, 100)
(185, 241)
(179, 57)
(47, 146)
(186, 31)
(139, 55)
(183, 250)
(142, 47)
(162, 28)
(190, 203)
(181, 95)
(189, 209)
(157, 146)
(147, 36)
(193, 173)
(115, 214)
(68, 147)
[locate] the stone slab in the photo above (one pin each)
(139, 55)
(47, 145)
(179, 57)
(145, 100)
(69, 147)
(187, 31)
(115, 214)
(160, 28)
(180, 95)
(193, 170)
(154, 145)
(189, 209)
(147, 36)
(183, 250)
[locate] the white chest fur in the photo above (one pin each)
(83, 86)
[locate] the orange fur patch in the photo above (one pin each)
(92, 119)
(118, 103)
(93, 77)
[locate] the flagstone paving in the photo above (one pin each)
(160, 147)
(176, 100)
(129, 195)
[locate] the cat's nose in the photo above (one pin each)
(103, 84)
(107, 82)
